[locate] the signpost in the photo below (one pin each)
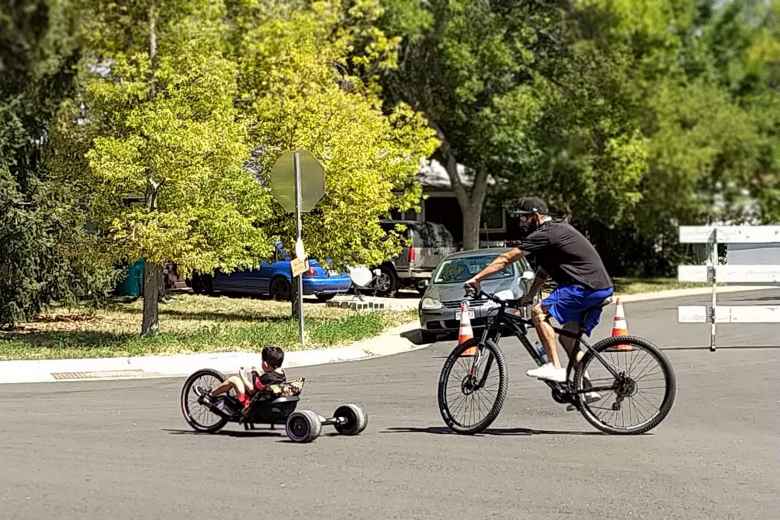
(298, 183)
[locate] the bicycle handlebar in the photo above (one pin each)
(471, 292)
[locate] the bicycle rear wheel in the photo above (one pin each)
(639, 399)
(472, 389)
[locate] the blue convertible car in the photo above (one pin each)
(274, 279)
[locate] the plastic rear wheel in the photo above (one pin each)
(198, 415)
(355, 419)
(202, 283)
(303, 426)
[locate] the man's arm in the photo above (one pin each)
(500, 262)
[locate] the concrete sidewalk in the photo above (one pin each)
(37, 371)
(394, 341)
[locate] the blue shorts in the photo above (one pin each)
(568, 303)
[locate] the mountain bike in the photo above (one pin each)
(621, 385)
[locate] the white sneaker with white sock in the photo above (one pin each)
(549, 372)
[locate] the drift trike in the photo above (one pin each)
(272, 408)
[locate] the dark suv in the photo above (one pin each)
(429, 242)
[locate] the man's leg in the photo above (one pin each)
(551, 371)
(568, 342)
(546, 333)
(568, 346)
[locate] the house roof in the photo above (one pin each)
(434, 176)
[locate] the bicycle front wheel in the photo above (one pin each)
(472, 388)
(635, 401)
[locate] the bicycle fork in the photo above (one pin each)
(475, 365)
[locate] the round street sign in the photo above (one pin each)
(312, 180)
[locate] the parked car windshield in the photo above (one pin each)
(458, 270)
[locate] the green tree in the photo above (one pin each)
(743, 39)
(512, 97)
(167, 150)
(702, 97)
(308, 80)
(44, 249)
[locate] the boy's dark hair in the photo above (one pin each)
(274, 356)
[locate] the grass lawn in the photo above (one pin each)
(628, 285)
(189, 323)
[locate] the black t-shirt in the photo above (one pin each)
(268, 378)
(567, 256)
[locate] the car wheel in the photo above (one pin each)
(387, 282)
(202, 284)
(280, 289)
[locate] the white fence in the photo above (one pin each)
(725, 274)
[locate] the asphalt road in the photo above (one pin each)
(121, 449)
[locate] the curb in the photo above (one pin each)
(388, 343)
(143, 367)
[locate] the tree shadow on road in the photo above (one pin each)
(441, 430)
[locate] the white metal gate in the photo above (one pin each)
(726, 274)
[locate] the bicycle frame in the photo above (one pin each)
(518, 326)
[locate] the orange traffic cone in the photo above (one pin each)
(620, 326)
(465, 333)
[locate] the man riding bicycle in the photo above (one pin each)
(565, 255)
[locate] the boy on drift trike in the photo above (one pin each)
(266, 398)
(247, 384)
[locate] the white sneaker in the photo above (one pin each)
(549, 372)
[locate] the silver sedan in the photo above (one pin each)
(439, 308)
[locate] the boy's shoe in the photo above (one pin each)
(590, 397)
(548, 372)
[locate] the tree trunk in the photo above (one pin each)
(470, 201)
(472, 215)
(152, 276)
(152, 272)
